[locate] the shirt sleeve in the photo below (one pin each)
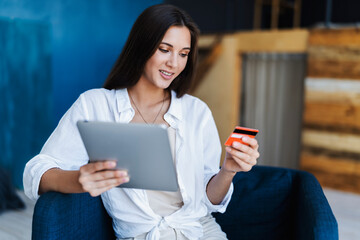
(212, 154)
(63, 149)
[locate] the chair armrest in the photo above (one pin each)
(315, 218)
(268, 203)
(261, 206)
(70, 216)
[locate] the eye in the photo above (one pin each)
(184, 54)
(163, 50)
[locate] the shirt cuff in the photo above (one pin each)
(224, 203)
(32, 177)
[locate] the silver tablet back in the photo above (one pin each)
(144, 150)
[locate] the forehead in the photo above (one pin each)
(178, 36)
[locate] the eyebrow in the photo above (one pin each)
(185, 48)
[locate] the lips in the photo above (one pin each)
(165, 74)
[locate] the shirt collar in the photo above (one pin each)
(175, 108)
(124, 104)
(123, 100)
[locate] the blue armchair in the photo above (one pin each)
(267, 203)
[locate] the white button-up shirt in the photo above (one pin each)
(198, 151)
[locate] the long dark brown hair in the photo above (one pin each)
(144, 38)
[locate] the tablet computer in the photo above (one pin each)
(143, 150)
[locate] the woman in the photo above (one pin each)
(148, 84)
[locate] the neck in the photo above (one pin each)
(150, 104)
(146, 95)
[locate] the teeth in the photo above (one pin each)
(166, 73)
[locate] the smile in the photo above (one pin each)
(166, 73)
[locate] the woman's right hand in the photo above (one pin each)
(98, 177)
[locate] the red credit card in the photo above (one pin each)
(239, 133)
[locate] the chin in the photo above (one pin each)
(164, 85)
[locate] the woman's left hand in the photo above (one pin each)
(240, 157)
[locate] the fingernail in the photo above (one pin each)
(236, 144)
(245, 139)
(120, 174)
(111, 164)
(228, 149)
(126, 179)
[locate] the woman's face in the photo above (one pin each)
(170, 59)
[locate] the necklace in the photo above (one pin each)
(132, 100)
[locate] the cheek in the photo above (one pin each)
(151, 67)
(183, 63)
(147, 70)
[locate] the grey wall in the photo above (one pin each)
(273, 86)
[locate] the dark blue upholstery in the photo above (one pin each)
(278, 203)
(268, 203)
(70, 216)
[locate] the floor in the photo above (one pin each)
(16, 225)
(346, 208)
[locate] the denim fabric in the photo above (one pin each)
(70, 216)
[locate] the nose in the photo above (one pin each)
(172, 61)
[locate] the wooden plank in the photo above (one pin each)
(337, 87)
(338, 53)
(335, 37)
(297, 13)
(257, 14)
(331, 140)
(289, 41)
(335, 115)
(339, 97)
(332, 115)
(332, 103)
(328, 164)
(334, 53)
(207, 40)
(275, 8)
(334, 172)
(334, 68)
(340, 181)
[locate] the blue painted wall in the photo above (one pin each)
(25, 92)
(86, 37)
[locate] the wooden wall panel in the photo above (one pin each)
(335, 141)
(333, 104)
(333, 115)
(335, 172)
(330, 164)
(331, 133)
(334, 68)
(334, 53)
(285, 41)
(337, 37)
